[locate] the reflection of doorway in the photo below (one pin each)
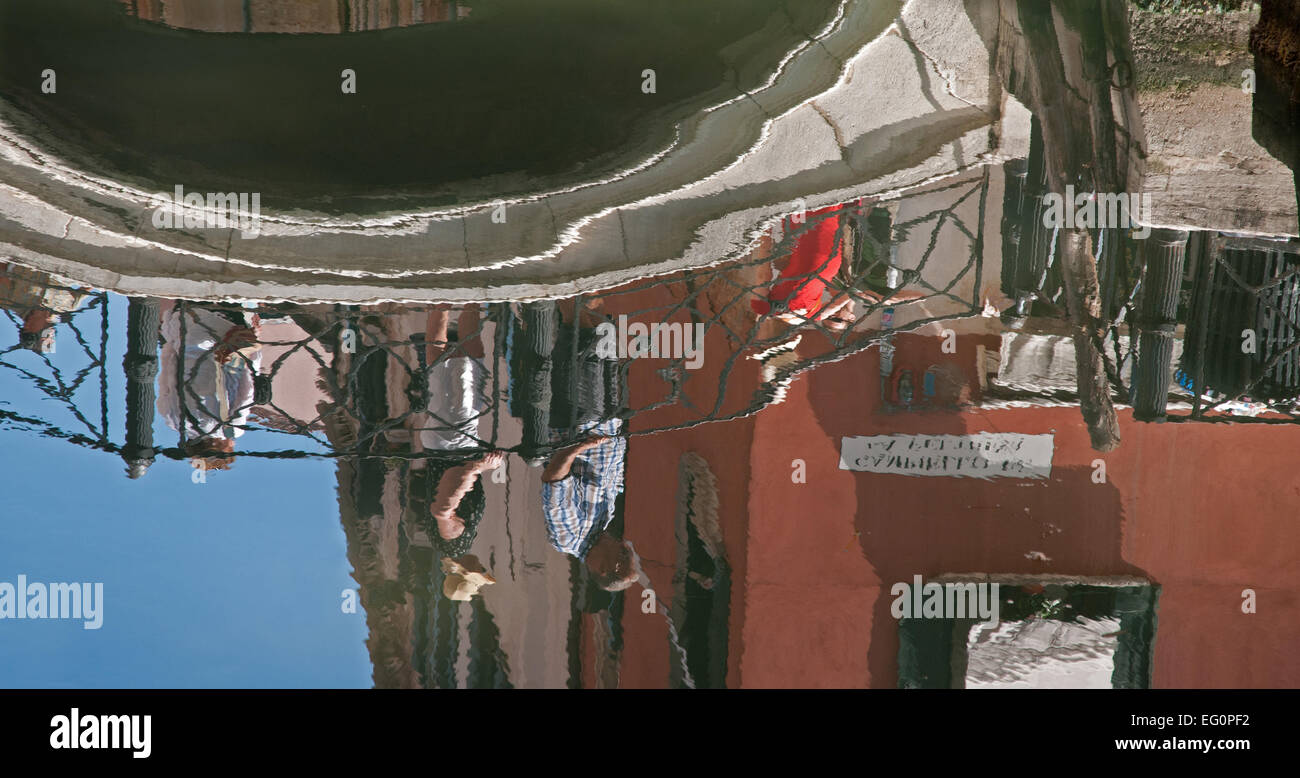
(1053, 631)
(701, 602)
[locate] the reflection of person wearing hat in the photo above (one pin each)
(221, 358)
(569, 398)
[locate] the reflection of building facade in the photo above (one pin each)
(1245, 285)
(772, 564)
(813, 562)
(38, 301)
(759, 572)
(23, 290)
(301, 16)
(526, 630)
(811, 549)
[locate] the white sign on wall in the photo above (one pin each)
(980, 455)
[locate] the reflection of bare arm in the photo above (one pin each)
(900, 296)
(456, 483)
(243, 402)
(452, 488)
(756, 266)
(835, 305)
(560, 465)
(435, 332)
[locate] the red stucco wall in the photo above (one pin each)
(1204, 510)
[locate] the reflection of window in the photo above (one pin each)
(1053, 632)
(702, 583)
(873, 251)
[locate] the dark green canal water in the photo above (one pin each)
(550, 90)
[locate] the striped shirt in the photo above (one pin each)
(579, 506)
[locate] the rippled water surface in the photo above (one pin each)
(890, 444)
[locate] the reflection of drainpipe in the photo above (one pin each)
(1164, 253)
(1013, 219)
(894, 273)
(886, 355)
(141, 368)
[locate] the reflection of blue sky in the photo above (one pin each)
(234, 582)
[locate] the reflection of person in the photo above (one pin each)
(559, 383)
(457, 379)
(221, 359)
(580, 488)
(38, 301)
(805, 290)
(458, 501)
(570, 398)
(457, 399)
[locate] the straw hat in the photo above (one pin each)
(466, 576)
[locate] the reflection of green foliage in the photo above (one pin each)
(870, 262)
(1051, 603)
(1050, 609)
(1181, 57)
(1059, 602)
(876, 267)
(1192, 6)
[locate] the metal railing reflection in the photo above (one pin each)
(438, 382)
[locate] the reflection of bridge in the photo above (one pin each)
(1159, 292)
(691, 200)
(316, 367)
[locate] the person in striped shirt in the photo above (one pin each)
(570, 398)
(580, 488)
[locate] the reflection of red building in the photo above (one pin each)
(300, 16)
(1203, 510)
